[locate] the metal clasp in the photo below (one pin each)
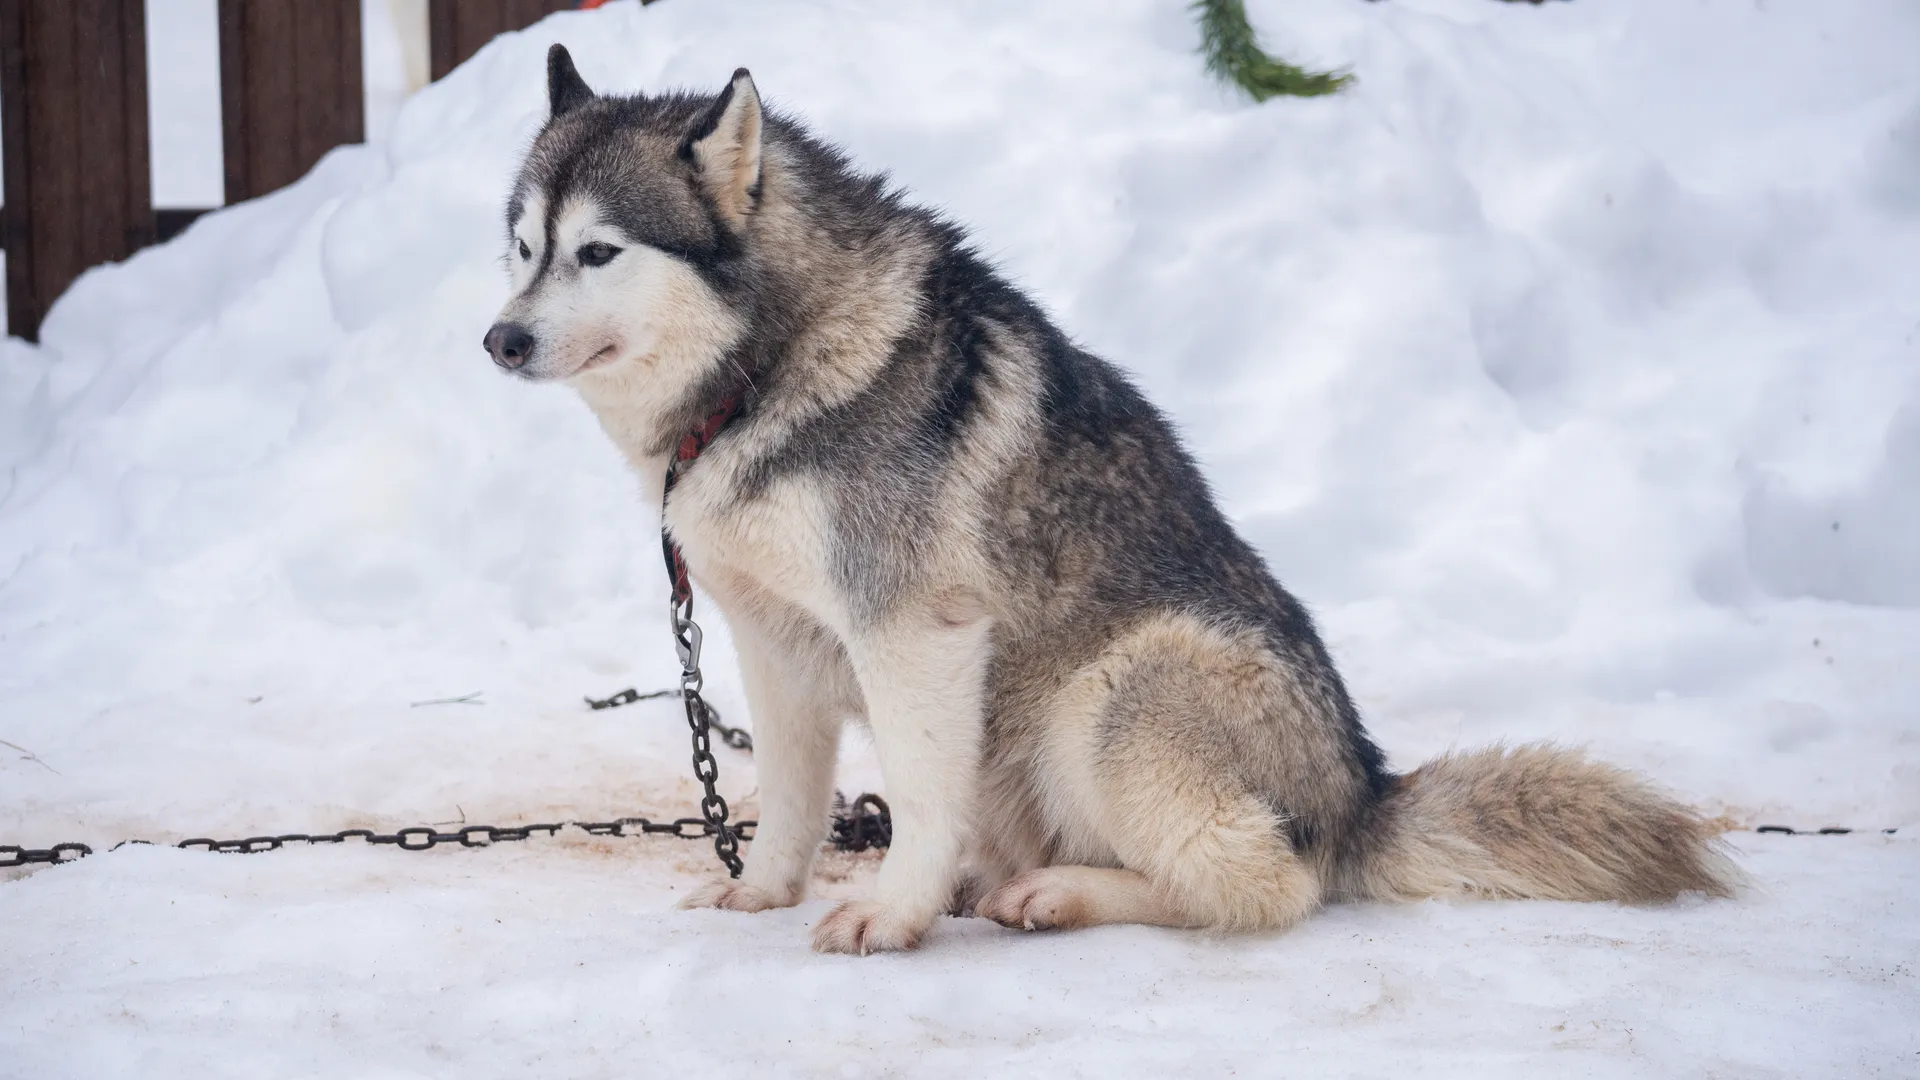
(686, 641)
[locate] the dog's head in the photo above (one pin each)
(625, 235)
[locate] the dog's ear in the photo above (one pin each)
(566, 90)
(724, 147)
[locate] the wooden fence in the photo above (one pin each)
(73, 111)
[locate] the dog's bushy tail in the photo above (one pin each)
(1537, 822)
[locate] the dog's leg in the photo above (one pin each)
(923, 683)
(1214, 861)
(1070, 897)
(1217, 866)
(1148, 747)
(796, 737)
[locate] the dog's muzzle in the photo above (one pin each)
(509, 344)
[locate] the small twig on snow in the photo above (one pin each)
(28, 755)
(463, 699)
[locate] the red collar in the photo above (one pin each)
(691, 445)
(693, 442)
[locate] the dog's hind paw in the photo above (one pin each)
(860, 927)
(727, 894)
(1037, 900)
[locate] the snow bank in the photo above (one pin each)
(1568, 366)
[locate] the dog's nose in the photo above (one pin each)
(510, 344)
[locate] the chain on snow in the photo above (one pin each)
(1831, 830)
(865, 823)
(862, 825)
(415, 838)
(738, 738)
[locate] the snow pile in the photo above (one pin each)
(1568, 366)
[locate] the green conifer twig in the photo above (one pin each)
(1233, 53)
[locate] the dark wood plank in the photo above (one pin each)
(54, 90)
(271, 105)
(17, 177)
(235, 148)
(73, 83)
(442, 28)
(329, 58)
(141, 228)
(290, 88)
(456, 29)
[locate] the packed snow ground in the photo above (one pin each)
(1568, 366)
(563, 961)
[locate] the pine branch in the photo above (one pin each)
(1233, 53)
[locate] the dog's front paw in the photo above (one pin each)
(860, 927)
(730, 895)
(1036, 900)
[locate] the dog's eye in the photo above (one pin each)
(597, 254)
(525, 251)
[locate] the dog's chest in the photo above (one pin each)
(773, 545)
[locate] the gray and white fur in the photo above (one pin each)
(1091, 700)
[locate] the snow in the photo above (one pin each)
(1568, 366)
(183, 103)
(561, 961)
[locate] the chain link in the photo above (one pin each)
(58, 853)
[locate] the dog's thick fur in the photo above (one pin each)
(1091, 701)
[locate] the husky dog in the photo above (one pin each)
(1092, 702)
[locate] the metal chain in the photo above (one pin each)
(865, 823)
(58, 853)
(738, 738)
(415, 838)
(868, 823)
(1831, 830)
(686, 638)
(700, 715)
